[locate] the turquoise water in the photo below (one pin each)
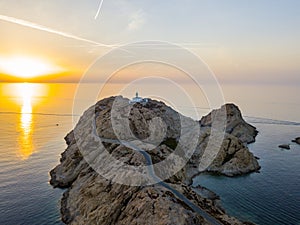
(31, 144)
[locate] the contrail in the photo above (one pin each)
(99, 8)
(50, 30)
(72, 36)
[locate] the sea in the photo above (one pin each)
(35, 117)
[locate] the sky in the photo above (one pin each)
(241, 41)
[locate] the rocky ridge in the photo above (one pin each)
(92, 199)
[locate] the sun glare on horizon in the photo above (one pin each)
(27, 67)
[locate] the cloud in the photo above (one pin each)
(49, 30)
(136, 20)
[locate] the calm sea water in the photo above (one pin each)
(34, 118)
(25, 195)
(271, 196)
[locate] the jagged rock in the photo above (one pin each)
(71, 164)
(93, 199)
(233, 158)
(297, 140)
(236, 125)
(98, 201)
(285, 146)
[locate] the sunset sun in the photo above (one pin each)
(27, 67)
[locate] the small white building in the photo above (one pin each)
(138, 99)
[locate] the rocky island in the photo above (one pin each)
(133, 163)
(297, 140)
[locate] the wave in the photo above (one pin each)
(260, 120)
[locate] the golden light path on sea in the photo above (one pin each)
(26, 96)
(25, 125)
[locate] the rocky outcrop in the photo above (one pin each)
(233, 158)
(91, 198)
(235, 126)
(94, 200)
(284, 146)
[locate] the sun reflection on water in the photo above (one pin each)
(26, 97)
(26, 128)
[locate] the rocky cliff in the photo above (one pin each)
(138, 136)
(235, 124)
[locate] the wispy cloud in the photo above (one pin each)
(136, 20)
(50, 30)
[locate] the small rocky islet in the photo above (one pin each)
(296, 140)
(284, 146)
(287, 146)
(90, 198)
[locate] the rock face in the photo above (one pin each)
(93, 199)
(233, 158)
(235, 126)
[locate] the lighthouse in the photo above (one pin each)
(138, 99)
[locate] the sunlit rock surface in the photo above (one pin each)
(92, 198)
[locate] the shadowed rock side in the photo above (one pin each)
(233, 158)
(93, 199)
(235, 126)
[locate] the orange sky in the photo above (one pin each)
(240, 42)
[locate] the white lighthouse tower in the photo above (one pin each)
(138, 99)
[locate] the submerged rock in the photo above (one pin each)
(92, 198)
(206, 193)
